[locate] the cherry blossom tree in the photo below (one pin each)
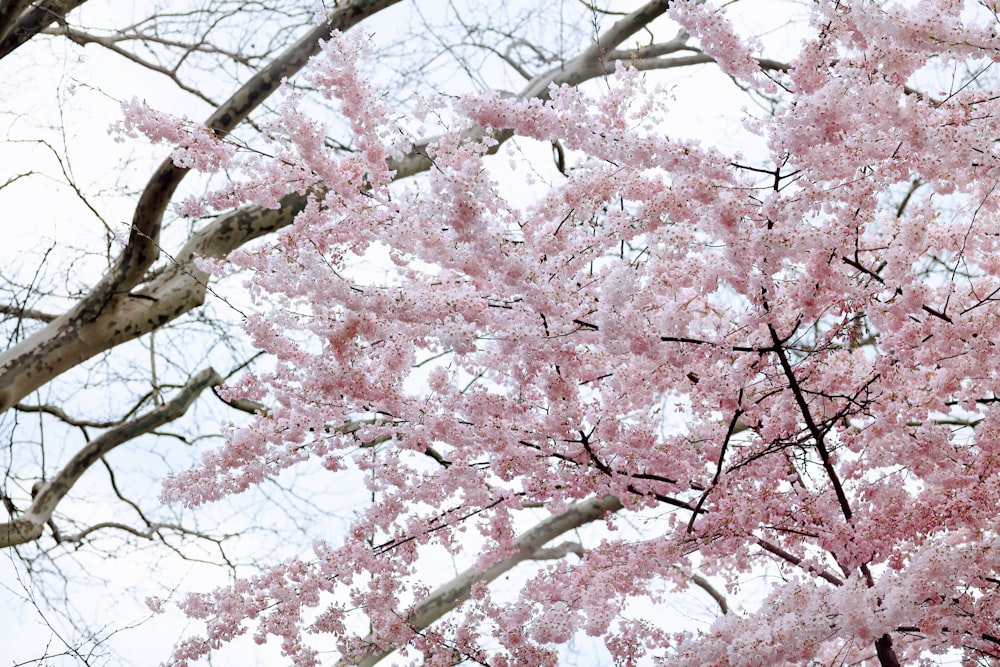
(114, 330)
(663, 362)
(778, 359)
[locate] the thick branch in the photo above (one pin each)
(10, 11)
(678, 43)
(701, 59)
(32, 22)
(28, 527)
(618, 33)
(529, 546)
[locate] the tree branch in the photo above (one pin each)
(26, 313)
(32, 22)
(795, 560)
(704, 584)
(10, 11)
(142, 248)
(529, 547)
(588, 65)
(814, 430)
(61, 415)
(29, 526)
(108, 314)
(83, 38)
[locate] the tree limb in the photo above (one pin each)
(29, 526)
(61, 415)
(10, 11)
(529, 547)
(25, 313)
(798, 562)
(703, 583)
(32, 22)
(83, 38)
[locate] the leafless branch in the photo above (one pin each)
(29, 526)
(83, 38)
(61, 415)
(26, 313)
(716, 595)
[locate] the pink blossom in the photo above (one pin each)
(771, 359)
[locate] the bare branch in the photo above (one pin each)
(105, 525)
(10, 11)
(29, 526)
(83, 38)
(678, 43)
(558, 551)
(15, 178)
(716, 595)
(61, 415)
(26, 313)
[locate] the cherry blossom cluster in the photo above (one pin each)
(198, 146)
(787, 363)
